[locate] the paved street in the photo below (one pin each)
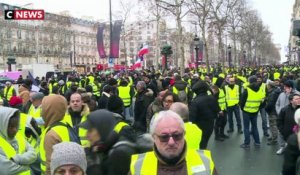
(232, 160)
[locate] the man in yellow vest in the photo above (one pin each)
(9, 91)
(171, 154)
(16, 154)
(232, 93)
(250, 104)
(53, 110)
(76, 114)
(126, 92)
(262, 111)
(193, 134)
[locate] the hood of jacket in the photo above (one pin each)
(53, 109)
(6, 113)
(254, 87)
(180, 85)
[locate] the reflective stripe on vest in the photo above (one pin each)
(232, 95)
(62, 132)
(120, 126)
(9, 94)
(198, 162)
(124, 94)
(81, 131)
(222, 99)
(10, 152)
(253, 101)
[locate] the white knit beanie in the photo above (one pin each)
(68, 153)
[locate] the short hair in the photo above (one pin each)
(37, 96)
(169, 93)
(181, 109)
(291, 96)
(165, 114)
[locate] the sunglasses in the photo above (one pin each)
(166, 137)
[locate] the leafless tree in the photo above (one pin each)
(178, 10)
(201, 9)
(220, 14)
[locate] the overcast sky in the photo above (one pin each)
(275, 13)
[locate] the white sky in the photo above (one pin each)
(275, 13)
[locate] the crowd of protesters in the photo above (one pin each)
(120, 123)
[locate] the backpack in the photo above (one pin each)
(72, 133)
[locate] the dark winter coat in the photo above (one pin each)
(142, 101)
(204, 108)
(271, 100)
(291, 156)
(285, 121)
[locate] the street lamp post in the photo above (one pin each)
(197, 44)
(229, 56)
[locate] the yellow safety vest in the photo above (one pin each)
(124, 94)
(22, 125)
(198, 162)
(10, 152)
(62, 132)
(253, 101)
(69, 84)
(262, 90)
(118, 128)
(276, 75)
(51, 87)
(232, 95)
(9, 93)
(222, 99)
(193, 135)
(81, 131)
(36, 113)
(34, 143)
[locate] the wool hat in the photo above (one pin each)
(14, 101)
(68, 153)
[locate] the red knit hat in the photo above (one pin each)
(15, 100)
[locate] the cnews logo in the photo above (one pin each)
(24, 14)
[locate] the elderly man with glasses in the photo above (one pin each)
(171, 155)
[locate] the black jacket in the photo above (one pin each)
(102, 102)
(244, 97)
(142, 101)
(285, 121)
(204, 108)
(271, 100)
(291, 155)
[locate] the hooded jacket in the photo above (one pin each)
(21, 161)
(53, 110)
(109, 159)
(283, 100)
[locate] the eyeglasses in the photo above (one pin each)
(166, 137)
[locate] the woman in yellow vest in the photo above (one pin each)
(16, 154)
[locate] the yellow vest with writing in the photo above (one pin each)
(197, 162)
(10, 152)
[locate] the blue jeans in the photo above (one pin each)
(250, 118)
(264, 120)
(236, 110)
